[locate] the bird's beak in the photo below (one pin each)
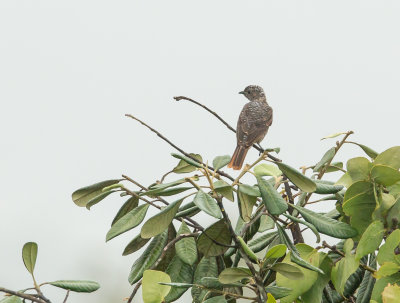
(241, 93)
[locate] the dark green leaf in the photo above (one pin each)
(207, 204)
(149, 256)
(309, 225)
(137, 243)
(271, 198)
(298, 179)
(224, 189)
(127, 222)
(130, 204)
(162, 186)
(77, 285)
(186, 248)
(179, 272)
(207, 267)
(98, 198)
(246, 204)
(83, 195)
(158, 223)
(29, 255)
(218, 232)
(326, 158)
(218, 299)
(220, 161)
(278, 292)
(258, 244)
(365, 290)
(327, 225)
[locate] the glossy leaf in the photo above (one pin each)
(234, 274)
(219, 232)
(130, 204)
(265, 169)
(77, 285)
(82, 196)
(327, 225)
(221, 161)
(276, 252)
(297, 178)
(370, 240)
(127, 222)
(186, 248)
(207, 204)
(137, 243)
(158, 223)
(149, 256)
(187, 165)
(385, 175)
(326, 158)
(224, 189)
(390, 157)
(274, 202)
(152, 291)
(179, 272)
(207, 267)
(29, 255)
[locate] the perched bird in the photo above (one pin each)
(253, 123)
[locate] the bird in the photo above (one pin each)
(253, 123)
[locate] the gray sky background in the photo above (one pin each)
(70, 70)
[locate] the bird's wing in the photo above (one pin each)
(253, 123)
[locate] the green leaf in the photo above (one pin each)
(336, 166)
(153, 292)
(187, 165)
(98, 198)
(360, 195)
(207, 267)
(302, 285)
(387, 269)
(258, 244)
(393, 214)
(271, 299)
(289, 271)
(326, 187)
(218, 299)
(207, 204)
(358, 168)
(265, 169)
(385, 175)
(137, 243)
(234, 274)
(247, 249)
(386, 251)
(391, 294)
(77, 285)
(179, 272)
(369, 151)
(276, 252)
(246, 204)
(158, 223)
(165, 192)
(298, 179)
(309, 225)
(333, 135)
(186, 248)
(127, 222)
(188, 210)
(224, 189)
(381, 284)
(130, 204)
(82, 196)
(150, 255)
(162, 186)
(29, 255)
(218, 232)
(370, 240)
(390, 157)
(345, 180)
(345, 267)
(365, 290)
(11, 299)
(266, 223)
(250, 190)
(326, 158)
(271, 198)
(278, 292)
(178, 285)
(221, 161)
(327, 225)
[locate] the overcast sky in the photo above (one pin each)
(70, 70)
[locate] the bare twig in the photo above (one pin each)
(137, 286)
(66, 297)
(294, 228)
(24, 296)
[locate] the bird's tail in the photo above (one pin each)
(238, 157)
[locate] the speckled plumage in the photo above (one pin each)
(253, 123)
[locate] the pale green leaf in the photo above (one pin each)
(265, 169)
(221, 161)
(207, 204)
(386, 251)
(369, 151)
(387, 269)
(298, 179)
(333, 135)
(224, 189)
(385, 175)
(274, 202)
(187, 165)
(186, 248)
(152, 291)
(234, 274)
(82, 196)
(29, 255)
(246, 204)
(391, 294)
(358, 168)
(326, 158)
(381, 284)
(291, 272)
(390, 157)
(276, 252)
(370, 240)
(77, 285)
(130, 204)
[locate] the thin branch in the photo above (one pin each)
(224, 122)
(178, 148)
(22, 295)
(66, 297)
(137, 286)
(294, 228)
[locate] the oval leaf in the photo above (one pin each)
(207, 204)
(385, 175)
(82, 196)
(153, 292)
(207, 267)
(326, 158)
(276, 252)
(288, 270)
(137, 243)
(370, 239)
(234, 274)
(298, 179)
(265, 169)
(390, 157)
(127, 222)
(221, 161)
(274, 202)
(158, 223)
(187, 165)
(29, 254)
(77, 285)
(130, 204)
(186, 248)
(218, 232)
(179, 273)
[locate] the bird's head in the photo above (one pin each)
(254, 93)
